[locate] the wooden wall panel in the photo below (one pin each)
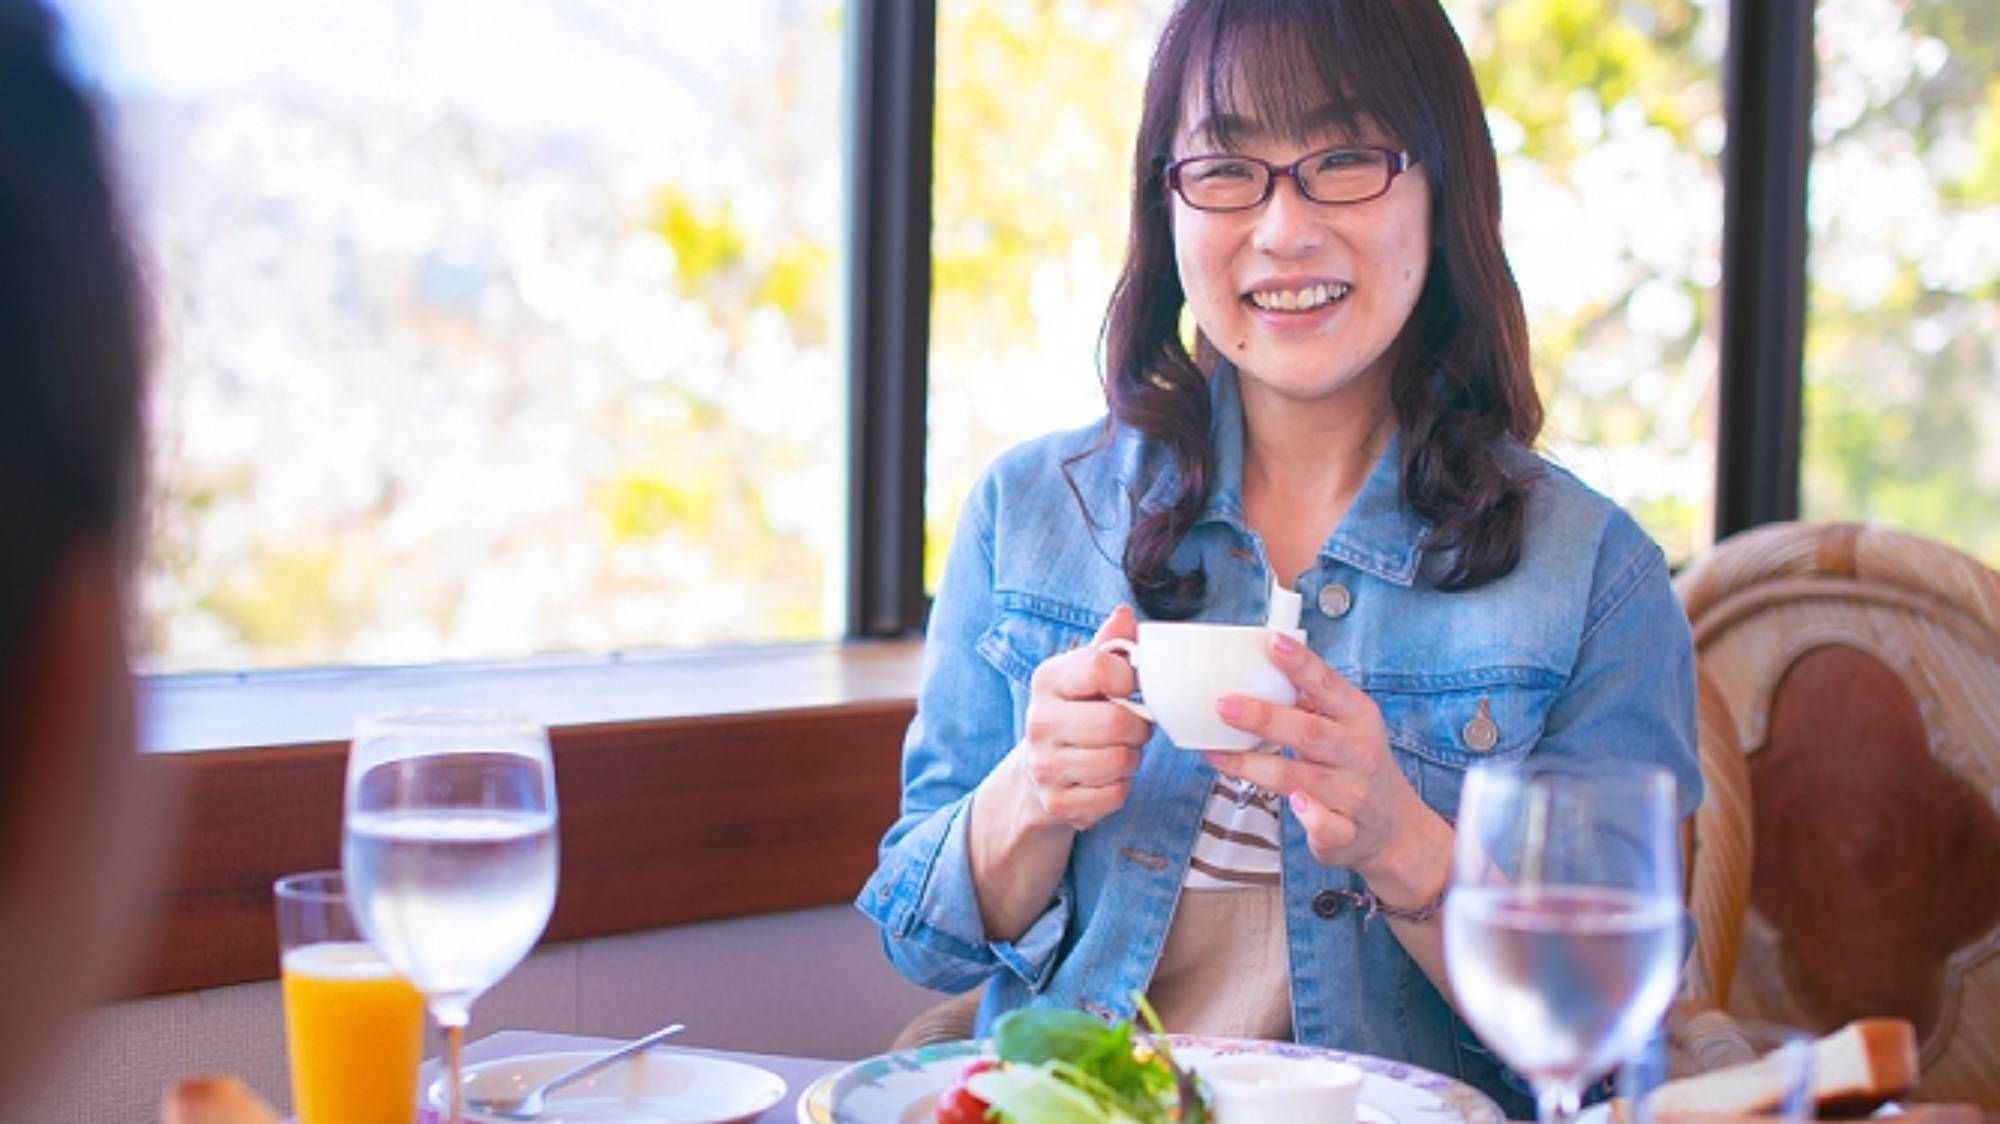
(663, 822)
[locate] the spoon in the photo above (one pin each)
(529, 1105)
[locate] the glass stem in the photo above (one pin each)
(1558, 1102)
(454, 1058)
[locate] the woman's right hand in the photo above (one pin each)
(1081, 749)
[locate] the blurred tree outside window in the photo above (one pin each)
(1902, 395)
(1608, 119)
(1037, 102)
(486, 328)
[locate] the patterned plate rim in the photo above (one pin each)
(1457, 1100)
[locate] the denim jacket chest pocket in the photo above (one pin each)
(1028, 630)
(1440, 727)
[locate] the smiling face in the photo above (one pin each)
(1307, 299)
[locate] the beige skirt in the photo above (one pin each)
(1223, 971)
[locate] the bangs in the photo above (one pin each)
(1293, 69)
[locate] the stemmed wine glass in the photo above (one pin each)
(1562, 931)
(449, 850)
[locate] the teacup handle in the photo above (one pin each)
(1130, 651)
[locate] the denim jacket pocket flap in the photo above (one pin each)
(1469, 718)
(1030, 630)
(1439, 730)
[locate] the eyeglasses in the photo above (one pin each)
(1224, 182)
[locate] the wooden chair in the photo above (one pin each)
(1717, 852)
(948, 1021)
(1855, 671)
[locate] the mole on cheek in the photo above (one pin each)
(1242, 345)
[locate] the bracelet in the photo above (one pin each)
(1372, 906)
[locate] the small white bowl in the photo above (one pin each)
(1266, 1089)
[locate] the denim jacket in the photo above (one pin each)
(1582, 649)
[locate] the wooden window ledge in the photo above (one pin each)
(692, 786)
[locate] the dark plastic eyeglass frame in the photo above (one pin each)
(1399, 162)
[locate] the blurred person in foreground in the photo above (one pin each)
(1316, 363)
(72, 823)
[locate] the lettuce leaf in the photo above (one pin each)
(1034, 1094)
(1070, 1064)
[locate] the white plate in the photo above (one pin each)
(903, 1088)
(657, 1087)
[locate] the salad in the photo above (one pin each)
(1064, 1067)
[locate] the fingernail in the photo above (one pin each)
(1214, 759)
(1298, 803)
(1229, 706)
(1283, 644)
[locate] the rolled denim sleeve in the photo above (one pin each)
(921, 894)
(1631, 692)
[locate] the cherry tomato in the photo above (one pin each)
(958, 1105)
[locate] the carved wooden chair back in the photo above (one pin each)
(1856, 673)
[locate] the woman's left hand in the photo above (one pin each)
(1357, 808)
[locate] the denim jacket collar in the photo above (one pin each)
(1379, 535)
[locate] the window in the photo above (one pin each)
(1608, 119)
(485, 330)
(1902, 369)
(1036, 108)
(498, 330)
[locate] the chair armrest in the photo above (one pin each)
(949, 1021)
(1701, 1039)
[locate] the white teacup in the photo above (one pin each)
(1266, 1089)
(1184, 667)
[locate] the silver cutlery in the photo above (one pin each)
(529, 1105)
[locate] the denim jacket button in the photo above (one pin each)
(1335, 600)
(1328, 904)
(1481, 733)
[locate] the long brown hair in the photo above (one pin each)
(71, 339)
(1462, 385)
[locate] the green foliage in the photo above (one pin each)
(718, 263)
(1678, 526)
(286, 596)
(1539, 55)
(1895, 466)
(797, 281)
(1981, 182)
(1969, 29)
(643, 501)
(705, 241)
(1031, 155)
(1900, 392)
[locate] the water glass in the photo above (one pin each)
(1563, 925)
(449, 846)
(353, 1028)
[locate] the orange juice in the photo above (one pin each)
(355, 1032)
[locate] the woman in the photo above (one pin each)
(1313, 184)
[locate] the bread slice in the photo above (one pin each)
(213, 1100)
(1855, 1068)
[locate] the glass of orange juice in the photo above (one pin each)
(353, 1028)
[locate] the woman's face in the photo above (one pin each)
(1304, 298)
